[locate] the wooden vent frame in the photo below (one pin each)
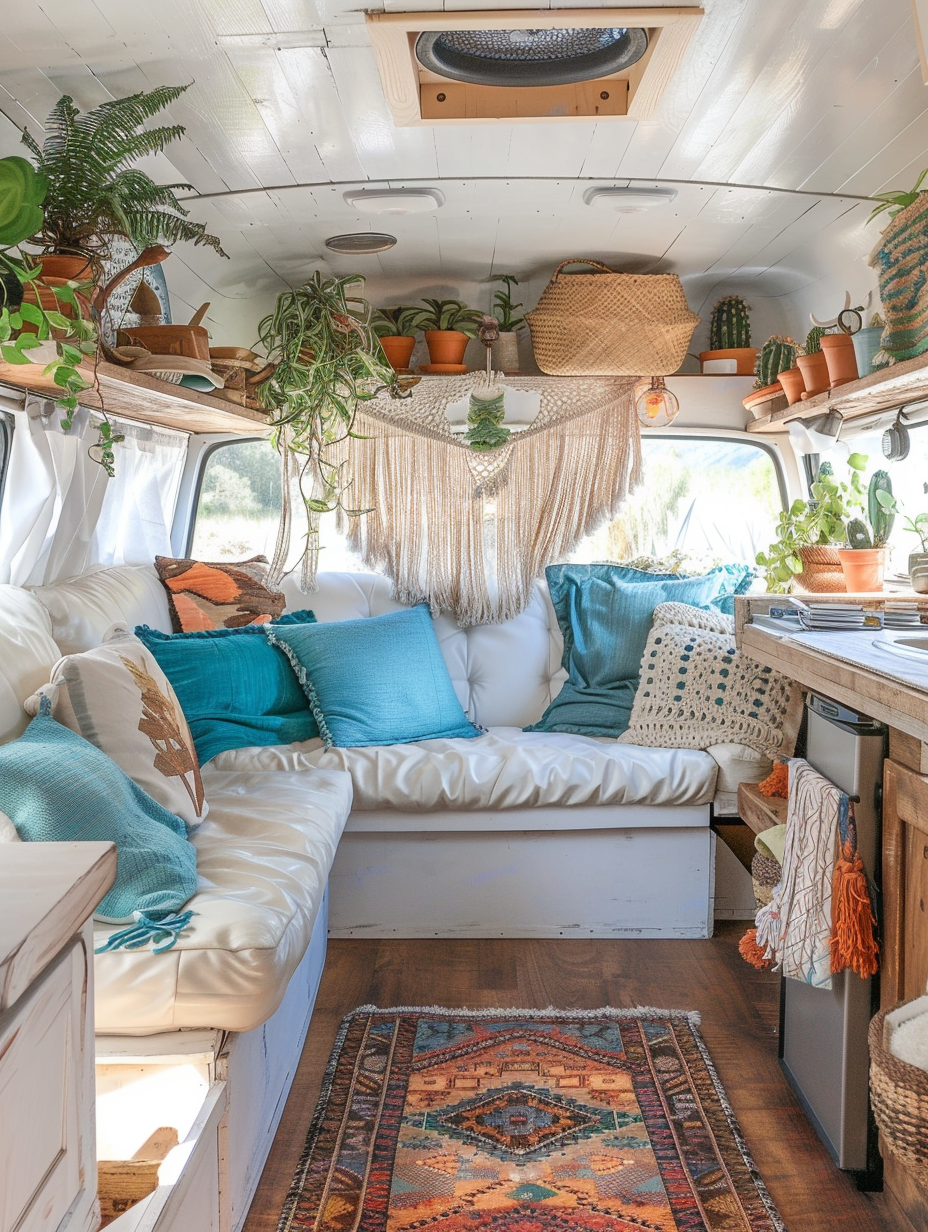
(419, 97)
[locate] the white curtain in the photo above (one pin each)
(61, 513)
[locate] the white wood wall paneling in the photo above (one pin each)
(697, 79)
(292, 14)
(793, 59)
(381, 147)
(891, 147)
(309, 76)
(751, 33)
(607, 149)
(260, 73)
(838, 98)
(236, 16)
(536, 148)
(37, 36)
(475, 150)
(28, 98)
(807, 226)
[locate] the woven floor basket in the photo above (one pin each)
(899, 1093)
(609, 324)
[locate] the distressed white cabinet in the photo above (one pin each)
(48, 891)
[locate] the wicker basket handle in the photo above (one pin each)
(598, 265)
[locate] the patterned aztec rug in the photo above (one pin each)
(524, 1121)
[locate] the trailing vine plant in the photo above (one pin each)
(328, 362)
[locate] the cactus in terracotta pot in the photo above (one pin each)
(776, 355)
(814, 337)
(730, 326)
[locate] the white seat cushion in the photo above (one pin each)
(27, 653)
(506, 768)
(263, 858)
(82, 609)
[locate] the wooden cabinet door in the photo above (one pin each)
(904, 973)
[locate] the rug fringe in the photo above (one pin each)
(693, 1017)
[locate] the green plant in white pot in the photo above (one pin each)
(918, 560)
(505, 350)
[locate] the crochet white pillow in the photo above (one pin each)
(697, 690)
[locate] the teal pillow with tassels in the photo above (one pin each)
(57, 787)
(604, 612)
(376, 680)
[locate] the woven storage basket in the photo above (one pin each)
(611, 324)
(822, 573)
(899, 1093)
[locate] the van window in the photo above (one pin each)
(238, 504)
(238, 511)
(715, 499)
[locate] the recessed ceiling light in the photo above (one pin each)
(358, 242)
(395, 200)
(524, 57)
(628, 200)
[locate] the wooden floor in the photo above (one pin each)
(739, 1023)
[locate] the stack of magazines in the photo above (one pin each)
(838, 616)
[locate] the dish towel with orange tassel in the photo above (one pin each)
(820, 918)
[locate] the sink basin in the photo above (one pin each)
(912, 646)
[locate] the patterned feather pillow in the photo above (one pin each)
(218, 595)
(697, 690)
(118, 698)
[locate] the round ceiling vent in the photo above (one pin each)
(529, 57)
(359, 242)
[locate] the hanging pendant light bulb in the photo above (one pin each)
(657, 406)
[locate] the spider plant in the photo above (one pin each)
(505, 311)
(443, 314)
(328, 362)
(400, 322)
(894, 203)
(94, 190)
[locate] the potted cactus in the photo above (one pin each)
(396, 330)
(777, 355)
(864, 558)
(448, 325)
(730, 337)
(812, 363)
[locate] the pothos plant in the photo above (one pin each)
(27, 321)
(820, 521)
(328, 362)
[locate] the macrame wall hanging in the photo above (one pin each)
(469, 526)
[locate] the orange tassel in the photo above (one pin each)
(751, 952)
(853, 928)
(777, 782)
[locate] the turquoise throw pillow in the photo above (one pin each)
(57, 787)
(236, 690)
(604, 612)
(379, 680)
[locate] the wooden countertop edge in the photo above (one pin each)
(47, 891)
(892, 702)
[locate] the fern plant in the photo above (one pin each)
(96, 192)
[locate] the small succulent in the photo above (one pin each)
(450, 314)
(814, 337)
(402, 321)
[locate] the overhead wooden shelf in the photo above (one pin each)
(880, 391)
(139, 396)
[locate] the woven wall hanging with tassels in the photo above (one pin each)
(469, 529)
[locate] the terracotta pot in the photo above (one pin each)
(793, 384)
(398, 349)
(42, 294)
(814, 373)
(821, 571)
(68, 268)
(840, 359)
(446, 346)
(864, 568)
(744, 357)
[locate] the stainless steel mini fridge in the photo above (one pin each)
(823, 1033)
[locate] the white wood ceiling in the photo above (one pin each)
(783, 114)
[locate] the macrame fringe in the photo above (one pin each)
(751, 952)
(853, 935)
(146, 929)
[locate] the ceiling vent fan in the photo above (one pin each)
(575, 64)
